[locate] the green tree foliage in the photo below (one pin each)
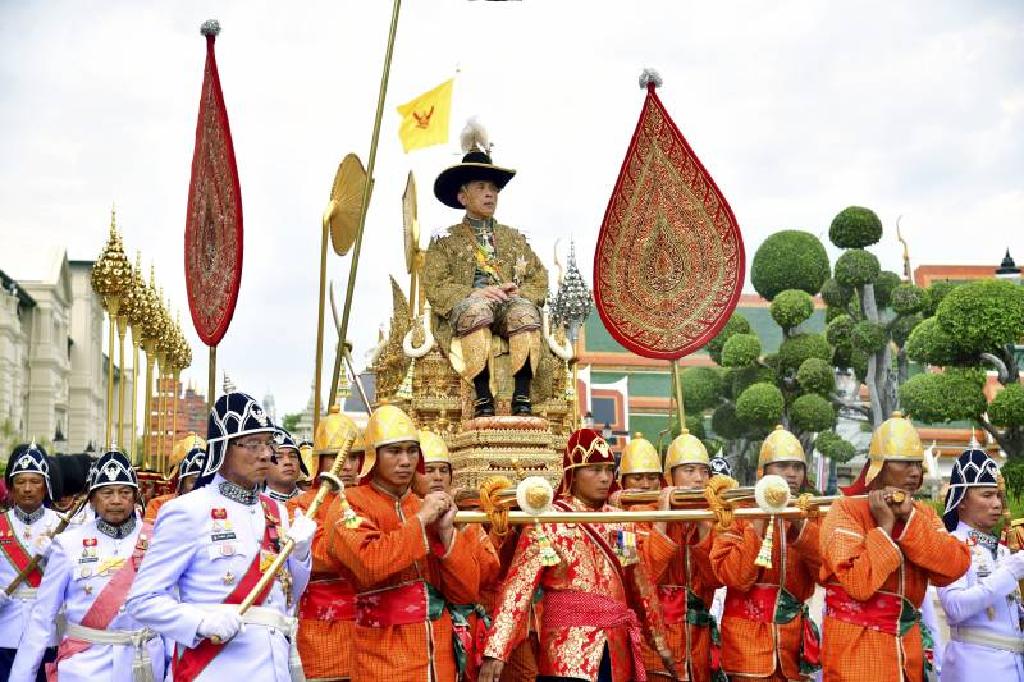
(855, 227)
(983, 316)
(816, 376)
(760, 407)
(797, 349)
(1007, 408)
(835, 295)
(810, 412)
(791, 308)
(885, 284)
(936, 293)
(908, 299)
(291, 421)
(702, 388)
(869, 337)
(790, 259)
(857, 267)
(943, 397)
(741, 350)
(737, 324)
(834, 446)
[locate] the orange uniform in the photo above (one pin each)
(765, 628)
(870, 578)
(154, 505)
(327, 607)
(686, 579)
(582, 585)
(403, 577)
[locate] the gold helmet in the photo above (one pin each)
(639, 457)
(780, 446)
(895, 440)
(434, 448)
(184, 446)
(685, 449)
(388, 424)
(331, 432)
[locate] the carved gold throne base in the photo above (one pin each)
(514, 447)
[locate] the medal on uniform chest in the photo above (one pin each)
(624, 542)
(89, 548)
(229, 578)
(87, 589)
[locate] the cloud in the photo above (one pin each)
(798, 109)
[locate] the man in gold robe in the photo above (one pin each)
(482, 279)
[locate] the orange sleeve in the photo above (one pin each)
(700, 555)
(808, 544)
(153, 507)
(656, 553)
(926, 543)
(513, 605)
(486, 557)
(861, 561)
(460, 572)
(732, 556)
(373, 555)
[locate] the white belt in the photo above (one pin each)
(26, 593)
(142, 666)
(983, 637)
(258, 615)
(119, 637)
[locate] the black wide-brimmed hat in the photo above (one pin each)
(476, 165)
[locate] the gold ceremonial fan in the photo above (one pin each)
(411, 224)
(342, 214)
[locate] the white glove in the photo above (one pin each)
(221, 623)
(42, 545)
(1015, 562)
(301, 532)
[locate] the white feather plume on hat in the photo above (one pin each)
(474, 137)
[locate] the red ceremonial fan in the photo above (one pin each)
(669, 262)
(213, 224)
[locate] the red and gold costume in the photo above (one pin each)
(403, 576)
(766, 631)
(875, 583)
(153, 506)
(590, 599)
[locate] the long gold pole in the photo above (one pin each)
(519, 518)
(174, 414)
(136, 459)
(320, 324)
(678, 381)
(147, 425)
(211, 392)
(161, 406)
(122, 330)
(113, 305)
(371, 161)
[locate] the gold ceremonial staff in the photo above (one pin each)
(358, 242)
(518, 518)
(61, 526)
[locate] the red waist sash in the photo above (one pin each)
(572, 608)
(328, 600)
(757, 604)
(881, 612)
(399, 605)
(673, 603)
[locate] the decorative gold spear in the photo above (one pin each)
(137, 312)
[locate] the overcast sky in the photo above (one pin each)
(797, 109)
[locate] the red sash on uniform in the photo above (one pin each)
(399, 605)
(673, 603)
(756, 604)
(106, 606)
(16, 552)
(331, 600)
(189, 663)
(880, 612)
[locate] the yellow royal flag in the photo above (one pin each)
(425, 119)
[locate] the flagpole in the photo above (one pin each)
(367, 189)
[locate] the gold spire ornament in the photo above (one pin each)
(152, 329)
(110, 278)
(138, 309)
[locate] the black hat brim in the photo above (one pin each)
(451, 180)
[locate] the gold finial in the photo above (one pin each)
(111, 273)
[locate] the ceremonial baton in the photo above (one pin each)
(328, 480)
(64, 521)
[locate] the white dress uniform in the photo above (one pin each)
(30, 531)
(203, 543)
(983, 609)
(82, 561)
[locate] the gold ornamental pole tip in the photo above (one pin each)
(111, 275)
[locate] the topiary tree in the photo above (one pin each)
(791, 308)
(875, 312)
(790, 259)
(975, 327)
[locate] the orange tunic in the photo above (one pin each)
(751, 648)
(154, 505)
(325, 644)
(864, 560)
(391, 549)
(689, 568)
(575, 650)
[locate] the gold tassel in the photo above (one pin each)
(348, 515)
(548, 556)
(764, 555)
